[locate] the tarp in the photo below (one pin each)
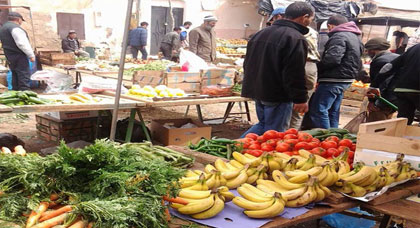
(390, 21)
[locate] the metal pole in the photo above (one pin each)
(33, 28)
(121, 70)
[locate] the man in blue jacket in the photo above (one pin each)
(138, 40)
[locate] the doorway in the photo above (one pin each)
(161, 24)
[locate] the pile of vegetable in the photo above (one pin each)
(158, 91)
(105, 183)
(217, 147)
(323, 134)
(17, 98)
(326, 143)
(160, 153)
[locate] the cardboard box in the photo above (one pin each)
(149, 77)
(72, 115)
(218, 77)
(380, 142)
(179, 136)
(187, 81)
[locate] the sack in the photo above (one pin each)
(56, 81)
(192, 61)
(97, 85)
(353, 125)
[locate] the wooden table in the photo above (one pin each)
(402, 208)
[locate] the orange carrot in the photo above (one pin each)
(54, 197)
(35, 215)
(55, 213)
(168, 216)
(79, 224)
(175, 200)
(52, 222)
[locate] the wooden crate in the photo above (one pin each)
(355, 93)
(51, 129)
(149, 77)
(54, 58)
(379, 142)
(218, 77)
(187, 81)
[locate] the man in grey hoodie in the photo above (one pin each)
(340, 64)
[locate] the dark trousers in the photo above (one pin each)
(21, 74)
(407, 104)
(135, 51)
(166, 49)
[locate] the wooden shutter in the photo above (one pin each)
(71, 21)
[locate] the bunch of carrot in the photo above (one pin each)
(52, 214)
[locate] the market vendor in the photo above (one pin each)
(377, 49)
(18, 50)
(171, 44)
(203, 40)
(72, 45)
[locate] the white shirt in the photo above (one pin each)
(22, 41)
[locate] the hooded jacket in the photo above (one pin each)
(274, 64)
(341, 61)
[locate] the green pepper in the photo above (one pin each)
(30, 93)
(7, 95)
(9, 101)
(36, 100)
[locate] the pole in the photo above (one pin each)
(121, 70)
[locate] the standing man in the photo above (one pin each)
(275, 69)
(72, 45)
(203, 40)
(184, 33)
(340, 64)
(171, 44)
(138, 40)
(18, 50)
(277, 14)
(311, 72)
(377, 49)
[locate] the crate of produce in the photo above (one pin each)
(355, 93)
(218, 77)
(149, 77)
(380, 142)
(53, 58)
(187, 81)
(52, 129)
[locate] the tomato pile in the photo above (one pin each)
(291, 141)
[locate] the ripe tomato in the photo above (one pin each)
(345, 142)
(353, 147)
(280, 135)
(343, 148)
(290, 136)
(245, 140)
(312, 145)
(351, 154)
(328, 144)
(266, 147)
(270, 134)
(304, 137)
(271, 142)
(252, 136)
(333, 152)
(302, 145)
(260, 139)
(316, 140)
(291, 131)
(289, 153)
(254, 146)
(333, 138)
(291, 142)
(295, 152)
(255, 153)
(283, 147)
(245, 145)
(319, 151)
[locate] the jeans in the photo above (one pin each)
(271, 117)
(135, 51)
(407, 104)
(21, 74)
(325, 104)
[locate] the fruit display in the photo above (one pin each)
(18, 150)
(231, 42)
(18, 98)
(217, 147)
(79, 98)
(157, 65)
(360, 84)
(158, 91)
(323, 143)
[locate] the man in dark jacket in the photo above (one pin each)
(275, 69)
(171, 44)
(340, 63)
(137, 40)
(377, 49)
(72, 45)
(18, 50)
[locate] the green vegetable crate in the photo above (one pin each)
(52, 129)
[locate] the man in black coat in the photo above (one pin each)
(72, 45)
(275, 69)
(377, 49)
(340, 64)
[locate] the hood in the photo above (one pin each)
(302, 29)
(346, 27)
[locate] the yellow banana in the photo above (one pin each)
(223, 181)
(271, 185)
(209, 168)
(345, 188)
(306, 198)
(273, 165)
(229, 196)
(357, 191)
(253, 162)
(252, 179)
(309, 163)
(364, 172)
(251, 205)
(176, 205)
(240, 179)
(191, 174)
(250, 195)
(211, 182)
(291, 165)
(217, 207)
(257, 191)
(325, 189)
(343, 167)
(231, 174)
(197, 207)
(194, 194)
(299, 179)
(250, 156)
(368, 181)
(275, 209)
(221, 166)
(231, 167)
(294, 194)
(320, 194)
(236, 164)
(282, 156)
(280, 179)
(315, 171)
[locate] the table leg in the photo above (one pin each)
(228, 110)
(385, 221)
(248, 115)
(186, 111)
(129, 132)
(143, 126)
(200, 115)
(78, 76)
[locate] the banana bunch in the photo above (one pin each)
(272, 162)
(196, 182)
(233, 175)
(203, 204)
(257, 203)
(318, 159)
(406, 172)
(312, 191)
(83, 98)
(306, 164)
(247, 159)
(254, 174)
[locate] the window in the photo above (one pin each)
(71, 21)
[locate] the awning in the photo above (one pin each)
(387, 21)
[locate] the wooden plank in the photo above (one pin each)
(5, 108)
(336, 198)
(352, 103)
(200, 101)
(199, 157)
(384, 127)
(388, 144)
(402, 208)
(397, 192)
(315, 213)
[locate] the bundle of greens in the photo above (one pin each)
(109, 184)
